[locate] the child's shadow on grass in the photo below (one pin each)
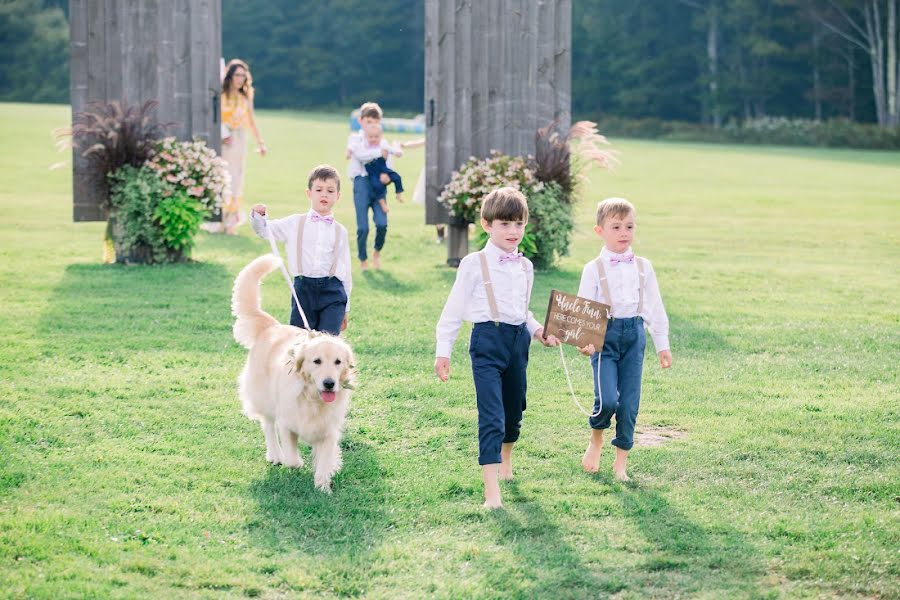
(293, 514)
(717, 561)
(540, 551)
(379, 278)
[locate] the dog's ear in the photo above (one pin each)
(348, 375)
(295, 357)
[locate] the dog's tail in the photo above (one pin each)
(251, 318)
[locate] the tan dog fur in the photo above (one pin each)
(287, 377)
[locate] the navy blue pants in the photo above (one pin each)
(499, 359)
(324, 303)
(374, 169)
(621, 364)
(363, 200)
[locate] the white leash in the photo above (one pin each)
(562, 357)
(287, 276)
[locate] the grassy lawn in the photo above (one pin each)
(127, 469)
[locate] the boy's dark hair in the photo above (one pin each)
(370, 109)
(324, 172)
(505, 204)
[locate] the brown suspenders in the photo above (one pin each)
(604, 284)
(337, 244)
(489, 288)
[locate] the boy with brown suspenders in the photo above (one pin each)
(492, 290)
(628, 284)
(318, 252)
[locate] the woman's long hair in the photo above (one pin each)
(247, 88)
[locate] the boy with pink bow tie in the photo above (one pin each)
(318, 252)
(492, 290)
(627, 283)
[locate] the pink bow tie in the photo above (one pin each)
(511, 256)
(628, 258)
(317, 217)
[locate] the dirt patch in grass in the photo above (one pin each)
(648, 436)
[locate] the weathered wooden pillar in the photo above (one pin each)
(495, 71)
(131, 51)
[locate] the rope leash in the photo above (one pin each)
(562, 358)
(287, 276)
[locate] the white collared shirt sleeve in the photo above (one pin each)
(590, 283)
(278, 227)
(654, 313)
(452, 316)
(530, 322)
(343, 271)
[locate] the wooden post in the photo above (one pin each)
(132, 51)
(494, 73)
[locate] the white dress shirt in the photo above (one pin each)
(361, 153)
(623, 281)
(318, 246)
(468, 298)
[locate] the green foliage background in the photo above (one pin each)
(633, 60)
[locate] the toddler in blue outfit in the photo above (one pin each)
(628, 284)
(379, 166)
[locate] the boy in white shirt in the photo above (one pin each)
(492, 290)
(359, 153)
(318, 252)
(628, 284)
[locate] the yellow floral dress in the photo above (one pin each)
(236, 117)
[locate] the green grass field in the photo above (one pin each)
(128, 471)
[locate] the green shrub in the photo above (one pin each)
(149, 222)
(549, 227)
(179, 217)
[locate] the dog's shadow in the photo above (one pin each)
(294, 515)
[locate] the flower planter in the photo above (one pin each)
(457, 239)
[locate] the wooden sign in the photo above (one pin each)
(576, 320)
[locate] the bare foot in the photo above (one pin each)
(506, 472)
(591, 459)
(399, 198)
(492, 504)
(376, 260)
(619, 472)
(620, 464)
(363, 265)
(491, 486)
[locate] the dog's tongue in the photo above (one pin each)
(328, 396)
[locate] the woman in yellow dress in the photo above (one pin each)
(237, 117)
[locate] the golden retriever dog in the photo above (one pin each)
(296, 383)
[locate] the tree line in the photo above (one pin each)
(700, 61)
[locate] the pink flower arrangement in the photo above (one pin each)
(192, 167)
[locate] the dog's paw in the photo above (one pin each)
(273, 458)
(323, 484)
(293, 462)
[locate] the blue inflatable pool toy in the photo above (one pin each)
(414, 125)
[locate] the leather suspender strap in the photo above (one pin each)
(337, 246)
(641, 278)
(604, 284)
(527, 288)
(488, 288)
(300, 225)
